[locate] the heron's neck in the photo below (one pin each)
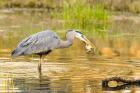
(68, 42)
(65, 44)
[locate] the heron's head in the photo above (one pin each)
(89, 45)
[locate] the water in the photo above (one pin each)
(69, 70)
(62, 75)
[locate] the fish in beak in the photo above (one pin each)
(89, 45)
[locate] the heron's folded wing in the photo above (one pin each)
(27, 41)
(44, 44)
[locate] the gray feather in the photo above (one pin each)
(36, 43)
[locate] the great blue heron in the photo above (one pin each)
(42, 43)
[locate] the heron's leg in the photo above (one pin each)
(39, 65)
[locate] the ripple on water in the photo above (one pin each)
(62, 75)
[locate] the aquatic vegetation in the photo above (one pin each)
(84, 16)
(76, 14)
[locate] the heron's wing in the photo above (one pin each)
(36, 43)
(23, 46)
(26, 42)
(41, 42)
(44, 44)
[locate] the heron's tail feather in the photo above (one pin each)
(16, 52)
(13, 52)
